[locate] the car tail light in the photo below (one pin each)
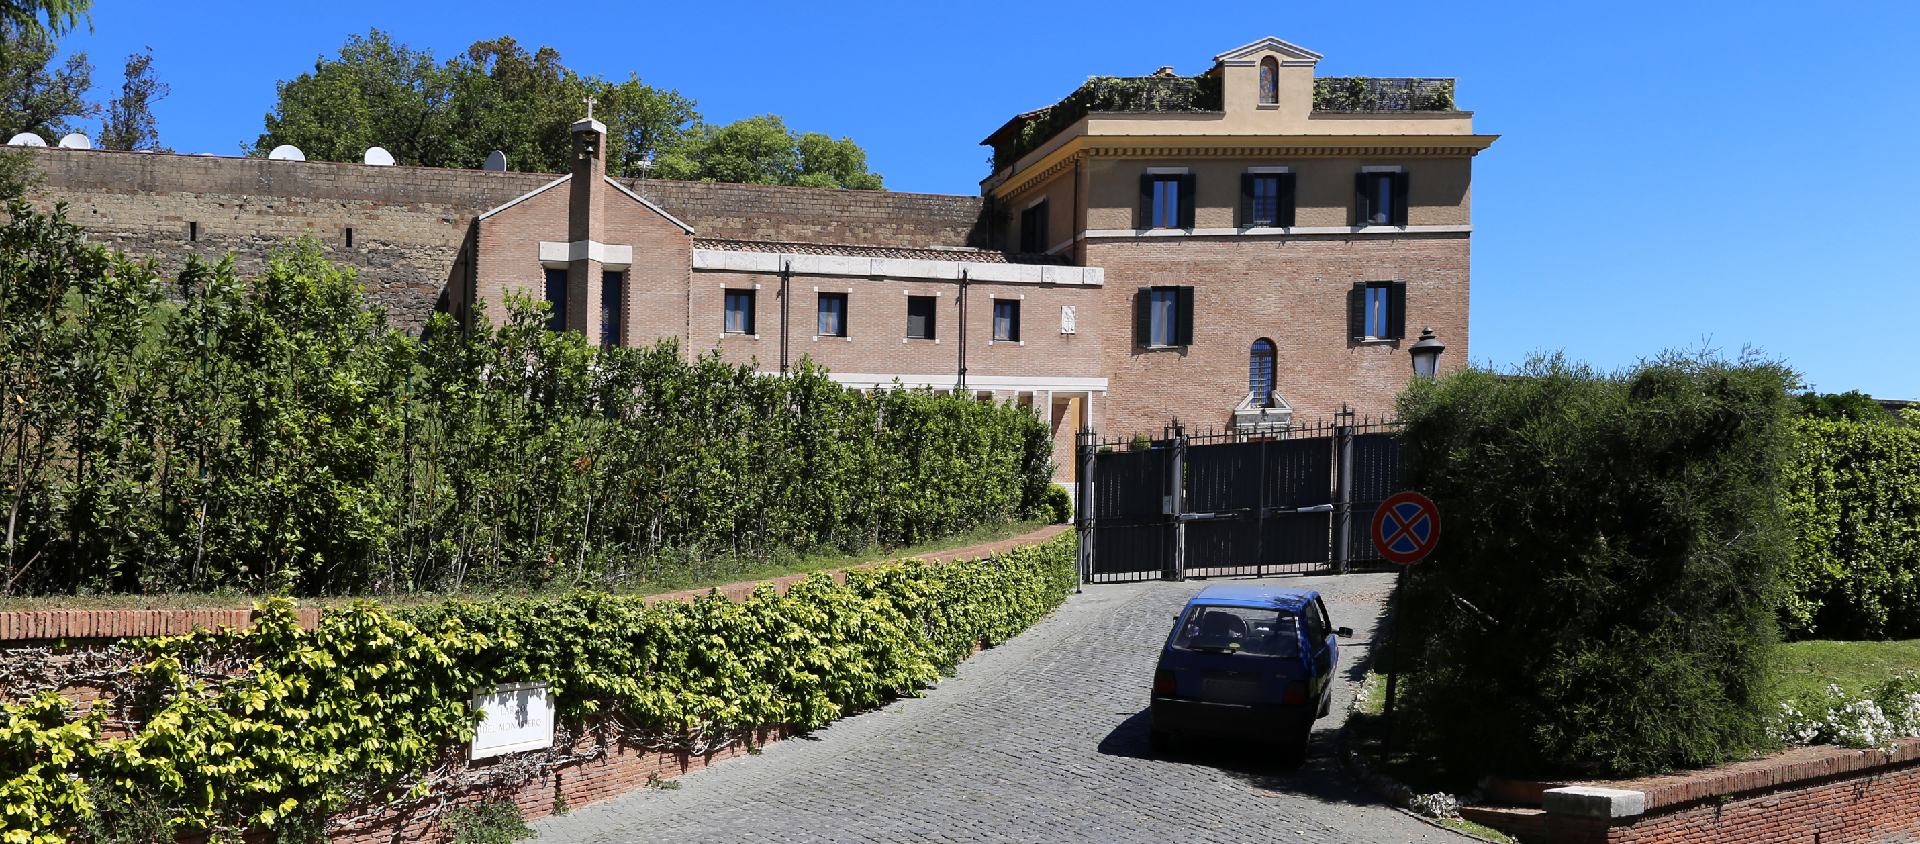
(1296, 694)
(1163, 683)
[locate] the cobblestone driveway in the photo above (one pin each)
(1043, 739)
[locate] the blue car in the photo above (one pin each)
(1247, 661)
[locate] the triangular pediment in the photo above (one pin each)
(1292, 52)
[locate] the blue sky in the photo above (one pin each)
(1670, 173)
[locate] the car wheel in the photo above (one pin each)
(1160, 741)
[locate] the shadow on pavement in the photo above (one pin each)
(1255, 763)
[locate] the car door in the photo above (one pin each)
(1325, 646)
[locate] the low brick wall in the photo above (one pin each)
(620, 770)
(1828, 795)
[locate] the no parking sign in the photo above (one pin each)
(1406, 527)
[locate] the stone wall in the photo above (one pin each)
(408, 223)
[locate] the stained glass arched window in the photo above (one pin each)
(1260, 371)
(1269, 81)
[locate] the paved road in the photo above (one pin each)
(1043, 739)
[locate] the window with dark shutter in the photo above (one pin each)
(1266, 200)
(1167, 201)
(1006, 320)
(921, 312)
(1163, 316)
(1380, 199)
(556, 300)
(1377, 310)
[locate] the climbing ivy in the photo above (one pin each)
(360, 710)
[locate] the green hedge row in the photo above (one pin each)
(363, 706)
(1854, 503)
(208, 432)
(1603, 598)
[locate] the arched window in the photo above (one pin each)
(1269, 81)
(1260, 372)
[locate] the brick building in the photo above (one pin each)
(1236, 249)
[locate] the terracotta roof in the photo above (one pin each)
(984, 256)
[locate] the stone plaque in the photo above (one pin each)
(517, 716)
(1066, 319)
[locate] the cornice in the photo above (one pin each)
(1305, 146)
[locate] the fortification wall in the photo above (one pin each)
(408, 223)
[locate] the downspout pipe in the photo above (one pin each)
(962, 385)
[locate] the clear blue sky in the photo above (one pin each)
(1670, 173)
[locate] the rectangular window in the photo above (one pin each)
(612, 290)
(920, 316)
(1163, 316)
(1266, 200)
(833, 315)
(1006, 320)
(1033, 229)
(1377, 310)
(739, 313)
(1166, 201)
(556, 300)
(1380, 199)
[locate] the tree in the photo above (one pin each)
(35, 97)
(62, 15)
(763, 151)
(129, 123)
(495, 96)
(499, 96)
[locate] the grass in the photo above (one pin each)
(682, 573)
(1806, 668)
(1472, 828)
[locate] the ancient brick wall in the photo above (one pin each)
(819, 215)
(408, 223)
(1292, 291)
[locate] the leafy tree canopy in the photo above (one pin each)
(37, 95)
(61, 15)
(129, 122)
(498, 95)
(1852, 406)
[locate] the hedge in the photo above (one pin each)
(1854, 503)
(1602, 600)
(364, 708)
(273, 434)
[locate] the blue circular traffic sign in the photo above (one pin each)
(1406, 527)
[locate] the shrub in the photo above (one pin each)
(360, 710)
(1854, 505)
(209, 432)
(1059, 505)
(1602, 599)
(487, 822)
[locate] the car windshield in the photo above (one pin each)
(1239, 630)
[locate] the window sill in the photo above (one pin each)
(818, 337)
(932, 340)
(1160, 348)
(741, 334)
(998, 342)
(1375, 341)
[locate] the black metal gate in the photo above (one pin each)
(1240, 506)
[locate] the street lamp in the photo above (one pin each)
(1426, 354)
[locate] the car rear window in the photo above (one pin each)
(1239, 630)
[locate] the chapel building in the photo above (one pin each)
(1245, 249)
